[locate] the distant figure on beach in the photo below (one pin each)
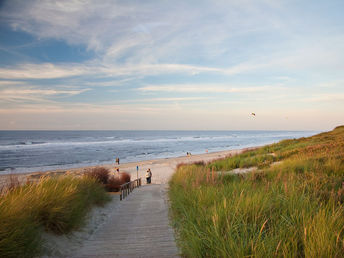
(149, 176)
(117, 161)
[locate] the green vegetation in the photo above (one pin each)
(291, 206)
(57, 205)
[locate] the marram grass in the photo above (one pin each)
(293, 208)
(58, 205)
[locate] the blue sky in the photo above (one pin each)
(171, 64)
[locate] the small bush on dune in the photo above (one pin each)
(124, 177)
(113, 184)
(199, 163)
(101, 174)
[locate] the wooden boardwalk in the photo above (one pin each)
(138, 228)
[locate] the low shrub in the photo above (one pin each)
(101, 174)
(110, 182)
(124, 177)
(113, 184)
(199, 163)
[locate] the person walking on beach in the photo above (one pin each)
(149, 176)
(117, 161)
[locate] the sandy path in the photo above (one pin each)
(135, 227)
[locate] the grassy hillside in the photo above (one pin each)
(291, 205)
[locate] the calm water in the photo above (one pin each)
(27, 151)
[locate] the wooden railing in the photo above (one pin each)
(127, 188)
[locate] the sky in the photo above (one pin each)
(171, 65)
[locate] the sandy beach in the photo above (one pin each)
(161, 169)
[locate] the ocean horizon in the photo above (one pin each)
(24, 151)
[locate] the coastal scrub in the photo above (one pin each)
(290, 206)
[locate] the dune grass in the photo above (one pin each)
(57, 205)
(293, 208)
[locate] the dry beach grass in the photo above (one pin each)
(57, 205)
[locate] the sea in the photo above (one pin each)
(29, 151)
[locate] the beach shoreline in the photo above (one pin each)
(158, 167)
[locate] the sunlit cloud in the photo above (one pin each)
(11, 83)
(324, 98)
(43, 71)
(205, 88)
(51, 71)
(34, 94)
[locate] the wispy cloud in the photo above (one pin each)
(326, 98)
(34, 94)
(159, 100)
(43, 71)
(205, 88)
(11, 83)
(51, 71)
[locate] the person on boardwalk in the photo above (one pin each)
(149, 176)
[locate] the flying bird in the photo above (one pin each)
(253, 114)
